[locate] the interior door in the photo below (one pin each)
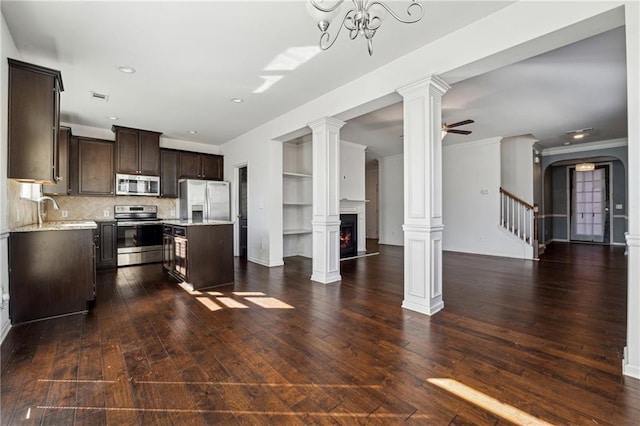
(242, 211)
(588, 205)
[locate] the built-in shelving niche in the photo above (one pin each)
(297, 198)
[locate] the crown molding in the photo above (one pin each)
(590, 146)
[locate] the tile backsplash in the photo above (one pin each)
(21, 212)
(93, 208)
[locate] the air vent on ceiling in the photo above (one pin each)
(99, 97)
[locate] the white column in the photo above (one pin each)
(326, 200)
(423, 195)
(631, 361)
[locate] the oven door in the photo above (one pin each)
(138, 244)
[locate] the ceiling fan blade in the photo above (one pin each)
(460, 123)
(460, 132)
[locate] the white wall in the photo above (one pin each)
(263, 159)
(371, 193)
(352, 171)
(517, 166)
(471, 201)
(391, 184)
(8, 50)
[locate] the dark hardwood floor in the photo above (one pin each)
(519, 342)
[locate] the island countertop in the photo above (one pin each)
(178, 222)
(69, 225)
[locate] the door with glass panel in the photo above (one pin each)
(588, 205)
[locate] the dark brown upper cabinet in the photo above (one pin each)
(169, 173)
(137, 151)
(33, 121)
(201, 166)
(62, 187)
(91, 170)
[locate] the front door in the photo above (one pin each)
(589, 198)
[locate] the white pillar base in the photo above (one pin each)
(423, 268)
(631, 360)
(326, 252)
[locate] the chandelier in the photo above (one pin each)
(362, 19)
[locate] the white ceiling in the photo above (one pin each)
(193, 57)
(582, 85)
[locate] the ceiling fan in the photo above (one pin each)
(449, 128)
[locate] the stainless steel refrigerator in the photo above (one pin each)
(204, 200)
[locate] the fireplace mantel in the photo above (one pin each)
(357, 207)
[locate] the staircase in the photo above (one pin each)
(520, 219)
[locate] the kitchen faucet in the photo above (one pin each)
(39, 201)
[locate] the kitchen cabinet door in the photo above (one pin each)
(189, 165)
(108, 245)
(34, 107)
(149, 153)
(62, 178)
(95, 167)
(138, 151)
(212, 167)
(169, 173)
(127, 148)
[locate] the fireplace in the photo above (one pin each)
(348, 235)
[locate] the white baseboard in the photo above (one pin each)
(628, 369)
(264, 262)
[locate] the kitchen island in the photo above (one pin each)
(199, 254)
(52, 270)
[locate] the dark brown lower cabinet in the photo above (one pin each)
(201, 255)
(51, 273)
(106, 238)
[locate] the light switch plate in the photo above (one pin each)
(105, 213)
(65, 213)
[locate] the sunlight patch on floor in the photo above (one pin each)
(216, 300)
(231, 303)
(269, 302)
(488, 403)
(210, 304)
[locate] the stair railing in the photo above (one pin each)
(520, 218)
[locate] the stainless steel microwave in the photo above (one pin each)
(137, 185)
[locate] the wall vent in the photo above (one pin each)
(99, 97)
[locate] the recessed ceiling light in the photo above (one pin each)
(113, 117)
(192, 132)
(567, 143)
(127, 69)
(237, 100)
(578, 136)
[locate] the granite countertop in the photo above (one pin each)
(69, 225)
(192, 223)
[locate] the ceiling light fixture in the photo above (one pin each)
(126, 69)
(192, 132)
(567, 143)
(113, 117)
(362, 19)
(585, 167)
(237, 100)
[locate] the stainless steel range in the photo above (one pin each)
(139, 235)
